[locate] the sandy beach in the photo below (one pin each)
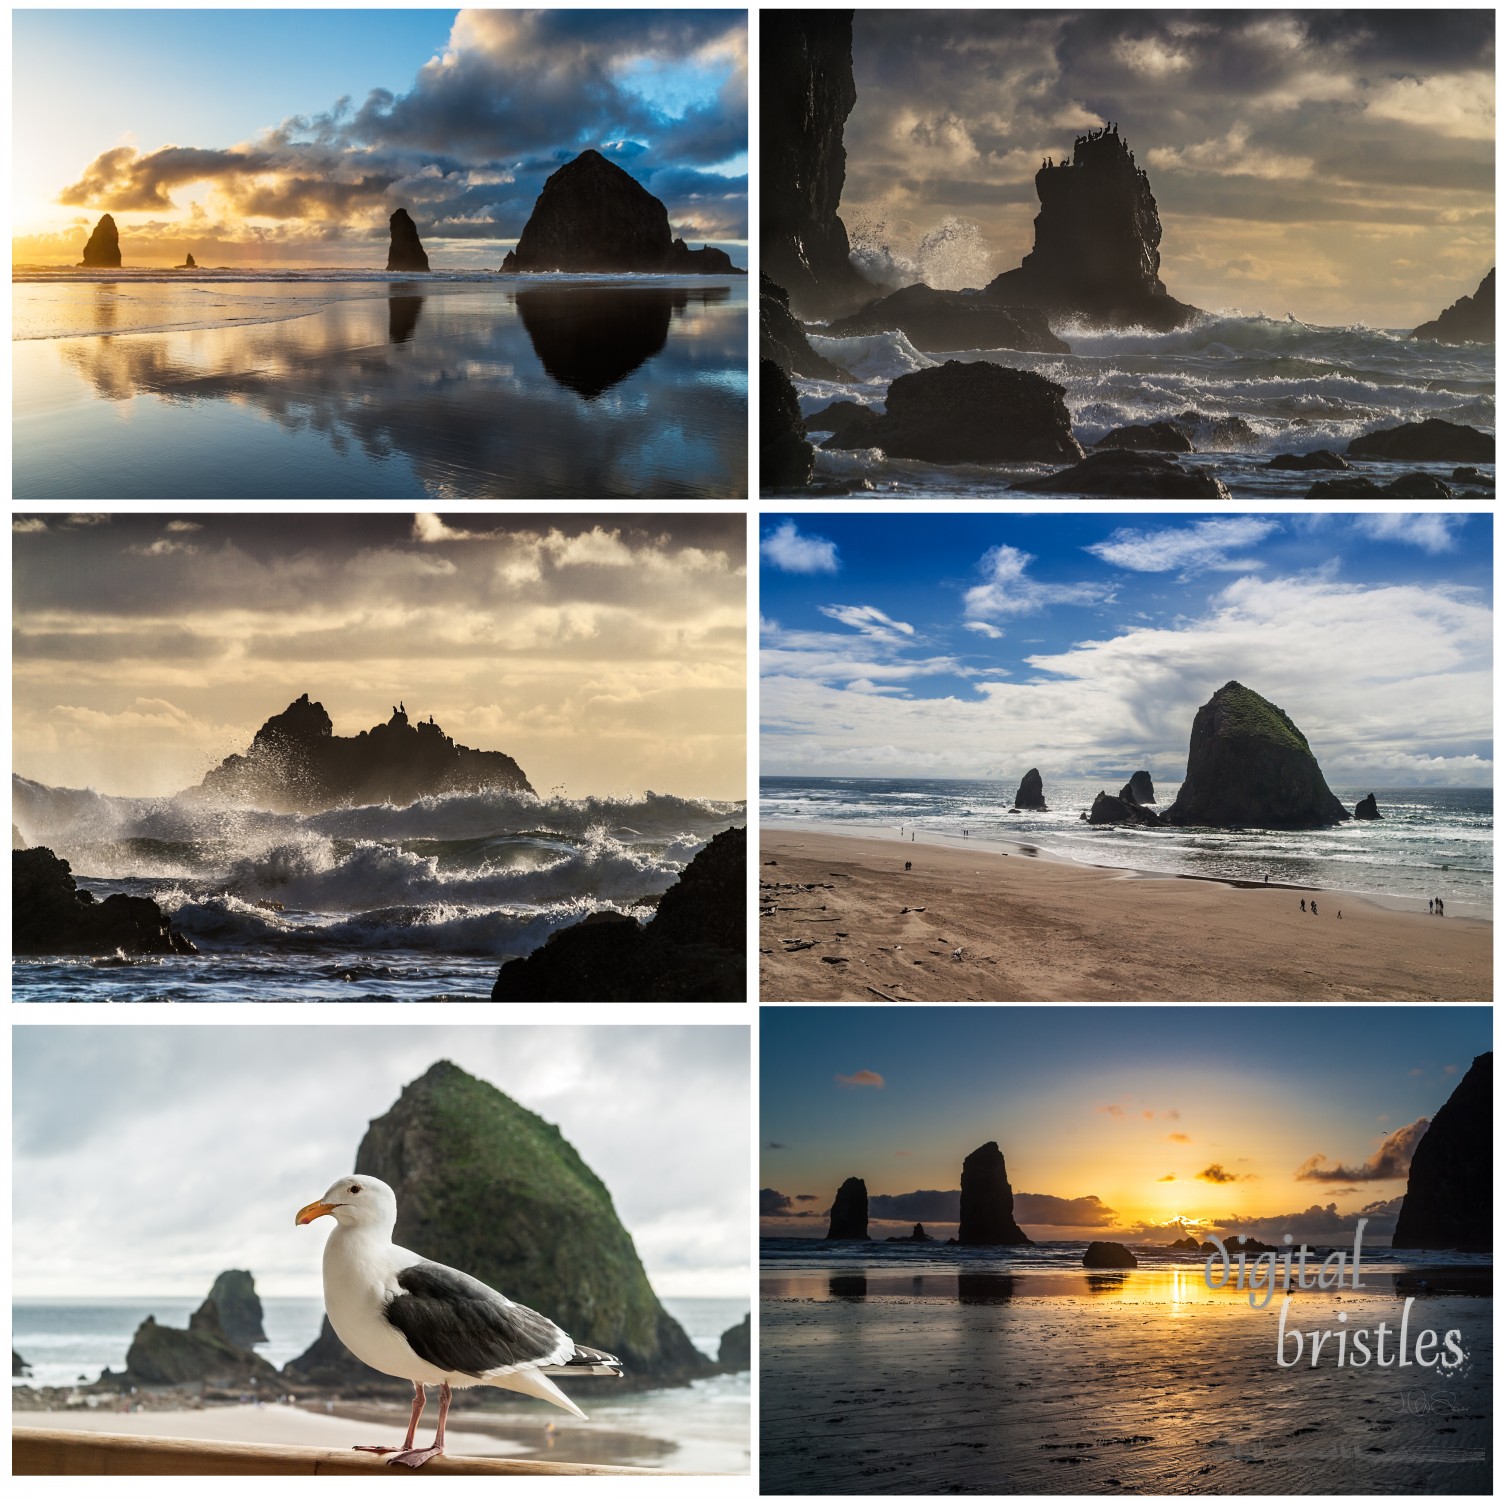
(842, 919)
(1142, 1383)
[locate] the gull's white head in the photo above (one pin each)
(353, 1202)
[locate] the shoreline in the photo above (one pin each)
(842, 920)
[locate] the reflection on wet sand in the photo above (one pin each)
(406, 308)
(846, 1286)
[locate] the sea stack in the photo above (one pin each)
(103, 247)
(849, 1218)
(1449, 1191)
(202, 1351)
(1096, 254)
(1109, 1255)
(1029, 796)
(1139, 789)
(1471, 320)
(407, 253)
(1365, 809)
(1122, 809)
(240, 1316)
(189, 264)
(1249, 766)
(986, 1205)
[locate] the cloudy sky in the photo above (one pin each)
(132, 1172)
(291, 135)
(1339, 165)
(969, 646)
(606, 654)
(1132, 1124)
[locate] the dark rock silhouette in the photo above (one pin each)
(296, 763)
(1029, 796)
(806, 94)
(405, 311)
(916, 1237)
(1365, 809)
(1096, 254)
(786, 456)
(1187, 1242)
(1249, 1244)
(18, 1366)
(240, 1316)
(488, 1187)
(1126, 475)
(1362, 487)
(734, 1346)
(202, 1351)
(1450, 1188)
(1250, 766)
(189, 264)
(692, 949)
(590, 338)
(1109, 1255)
(938, 322)
(834, 417)
(986, 1205)
(406, 253)
(783, 340)
(1158, 437)
(1429, 441)
(594, 216)
(50, 915)
(1139, 788)
(1122, 809)
(1319, 458)
(968, 413)
(1471, 320)
(103, 247)
(849, 1218)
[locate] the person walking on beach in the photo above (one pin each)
(1314, 906)
(1440, 911)
(1303, 903)
(1429, 906)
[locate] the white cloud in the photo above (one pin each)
(979, 627)
(786, 548)
(1432, 533)
(1008, 591)
(1203, 545)
(869, 621)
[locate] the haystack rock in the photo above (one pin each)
(240, 1316)
(103, 248)
(1096, 254)
(1250, 766)
(296, 763)
(50, 915)
(1139, 789)
(986, 1205)
(1449, 1191)
(1109, 1255)
(807, 92)
(1365, 809)
(407, 253)
(1029, 796)
(849, 1218)
(1471, 320)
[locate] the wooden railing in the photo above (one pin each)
(45, 1450)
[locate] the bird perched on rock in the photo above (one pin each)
(429, 1324)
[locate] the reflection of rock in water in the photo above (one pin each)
(405, 310)
(1098, 1282)
(847, 1286)
(984, 1288)
(590, 338)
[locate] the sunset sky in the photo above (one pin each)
(1258, 1120)
(1339, 165)
(290, 136)
(606, 654)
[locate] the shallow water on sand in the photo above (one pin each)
(537, 387)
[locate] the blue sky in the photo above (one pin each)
(940, 645)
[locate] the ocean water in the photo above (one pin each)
(1429, 841)
(358, 903)
(313, 385)
(1299, 386)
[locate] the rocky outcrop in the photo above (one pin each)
(806, 94)
(692, 949)
(234, 1299)
(51, 916)
(783, 340)
(1250, 766)
(492, 1189)
(976, 413)
(704, 261)
(1362, 487)
(1157, 437)
(201, 1351)
(103, 247)
(1429, 441)
(1109, 810)
(1096, 255)
(986, 1205)
(786, 456)
(1319, 458)
(1139, 789)
(188, 265)
(918, 1236)
(734, 1347)
(834, 417)
(1124, 475)
(593, 216)
(406, 253)
(937, 322)
(1365, 809)
(849, 1218)
(18, 1366)
(1471, 320)
(1029, 796)
(1450, 1188)
(1187, 1242)
(296, 763)
(1215, 433)
(1109, 1255)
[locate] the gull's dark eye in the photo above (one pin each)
(353, 1187)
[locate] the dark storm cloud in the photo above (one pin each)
(123, 179)
(941, 1206)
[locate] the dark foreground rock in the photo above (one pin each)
(783, 340)
(734, 1346)
(939, 322)
(786, 456)
(1157, 437)
(18, 1366)
(494, 1190)
(1215, 433)
(1319, 458)
(1250, 766)
(1362, 487)
(1471, 320)
(202, 1351)
(835, 417)
(692, 949)
(1429, 441)
(296, 763)
(406, 253)
(1109, 810)
(1365, 809)
(103, 246)
(1029, 796)
(976, 413)
(1109, 1255)
(1450, 1189)
(849, 1218)
(240, 1315)
(50, 915)
(986, 1205)
(1130, 476)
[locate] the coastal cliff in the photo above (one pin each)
(1450, 1188)
(1470, 320)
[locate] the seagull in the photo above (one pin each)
(429, 1324)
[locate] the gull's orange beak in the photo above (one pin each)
(313, 1211)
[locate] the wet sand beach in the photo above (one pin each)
(841, 919)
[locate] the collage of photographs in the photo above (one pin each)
(897, 906)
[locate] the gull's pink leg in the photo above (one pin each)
(419, 1456)
(418, 1401)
